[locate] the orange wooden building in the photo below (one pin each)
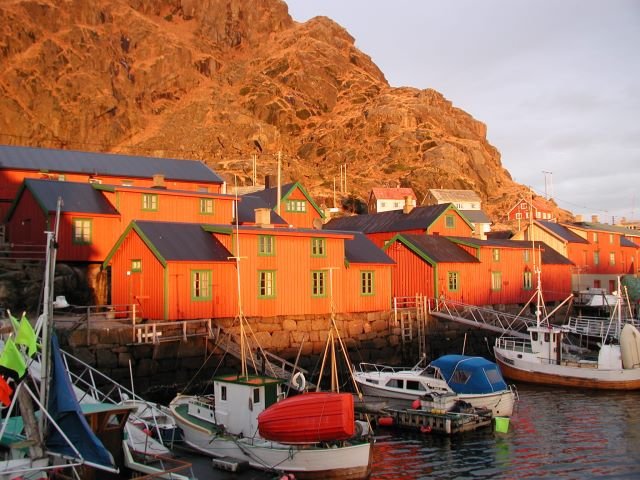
(18, 163)
(185, 271)
(444, 219)
(296, 206)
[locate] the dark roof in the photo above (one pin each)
(625, 242)
(393, 221)
(561, 231)
(550, 257)
(475, 216)
(183, 241)
(504, 234)
(247, 207)
(363, 250)
(76, 197)
(492, 242)
(270, 195)
(46, 159)
(438, 248)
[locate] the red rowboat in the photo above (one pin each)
(309, 418)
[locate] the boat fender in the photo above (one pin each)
(425, 429)
(416, 404)
(298, 381)
(385, 421)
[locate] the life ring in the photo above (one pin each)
(298, 381)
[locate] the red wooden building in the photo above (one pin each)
(526, 209)
(185, 271)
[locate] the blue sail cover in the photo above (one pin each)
(65, 410)
(466, 374)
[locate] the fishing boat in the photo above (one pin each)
(248, 421)
(547, 358)
(473, 380)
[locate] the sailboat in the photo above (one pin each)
(545, 357)
(57, 435)
(248, 421)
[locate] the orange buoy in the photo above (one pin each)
(385, 421)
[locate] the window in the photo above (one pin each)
(200, 284)
(450, 221)
(596, 258)
(611, 238)
(596, 284)
(496, 280)
(612, 286)
(527, 280)
(523, 206)
(266, 245)
(452, 281)
(318, 284)
(202, 189)
(495, 254)
(318, 247)
(82, 231)
(518, 216)
(297, 206)
(150, 202)
(127, 183)
(526, 255)
(206, 206)
(136, 265)
(266, 284)
(223, 393)
(459, 206)
(366, 283)
(396, 204)
(256, 395)
(612, 258)
(595, 237)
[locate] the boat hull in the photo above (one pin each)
(339, 461)
(309, 418)
(520, 369)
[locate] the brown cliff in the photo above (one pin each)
(220, 80)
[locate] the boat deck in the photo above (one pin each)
(182, 410)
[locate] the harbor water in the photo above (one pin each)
(553, 434)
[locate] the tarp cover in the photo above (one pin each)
(65, 410)
(466, 374)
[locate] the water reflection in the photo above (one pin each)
(553, 434)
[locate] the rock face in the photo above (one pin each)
(222, 80)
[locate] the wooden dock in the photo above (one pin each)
(439, 422)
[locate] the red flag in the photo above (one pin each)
(5, 392)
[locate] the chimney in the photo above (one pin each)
(579, 218)
(408, 205)
(263, 216)
(158, 180)
(270, 181)
(594, 219)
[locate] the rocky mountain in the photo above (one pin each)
(223, 80)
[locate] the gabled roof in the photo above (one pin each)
(550, 257)
(475, 216)
(247, 210)
(362, 250)
(492, 242)
(76, 197)
(452, 196)
(603, 227)
(434, 248)
(174, 241)
(270, 195)
(68, 161)
(561, 232)
(535, 204)
(392, 193)
(420, 218)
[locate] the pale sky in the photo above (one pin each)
(557, 82)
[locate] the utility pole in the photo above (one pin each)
(279, 155)
(550, 175)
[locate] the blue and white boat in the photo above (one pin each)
(474, 380)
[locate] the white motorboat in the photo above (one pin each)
(474, 380)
